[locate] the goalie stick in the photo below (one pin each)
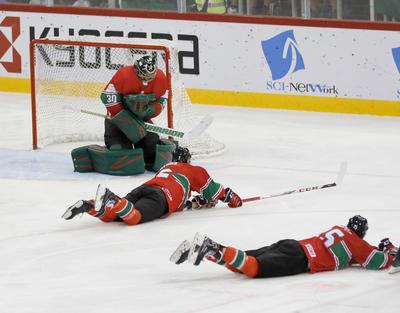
(339, 180)
(195, 132)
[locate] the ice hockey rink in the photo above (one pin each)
(49, 265)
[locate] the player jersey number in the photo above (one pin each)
(164, 173)
(329, 239)
(111, 98)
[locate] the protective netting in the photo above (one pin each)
(69, 76)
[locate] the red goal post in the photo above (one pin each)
(68, 75)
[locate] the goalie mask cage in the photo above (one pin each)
(69, 74)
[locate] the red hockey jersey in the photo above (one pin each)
(125, 81)
(178, 180)
(340, 247)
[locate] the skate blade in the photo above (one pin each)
(179, 252)
(99, 197)
(67, 214)
(195, 248)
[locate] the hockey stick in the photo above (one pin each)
(339, 180)
(195, 132)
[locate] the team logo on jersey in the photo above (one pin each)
(10, 30)
(396, 57)
(282, 54)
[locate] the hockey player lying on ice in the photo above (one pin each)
(335, 249)
(166, 193)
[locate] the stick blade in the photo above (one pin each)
(200, 127)
(341, 173)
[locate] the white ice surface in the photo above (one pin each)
(49, 265)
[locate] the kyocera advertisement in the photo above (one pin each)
(233, 58)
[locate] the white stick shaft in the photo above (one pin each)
(339, 180)
(148, 126)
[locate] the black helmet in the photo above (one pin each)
(146, 68)
(359, 225)
(181, 154)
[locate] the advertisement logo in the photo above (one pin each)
(284, 57)
(10, 59)
(396, 57)
(282, 54)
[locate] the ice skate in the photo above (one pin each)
(202, 247)
(104, 198)
(77, 208)
(181, 253)
(395, 268)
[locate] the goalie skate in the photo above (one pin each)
(201, 247)
(181, 253)
(395, 268)
(104, 197)
(80, 207)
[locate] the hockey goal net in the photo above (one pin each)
(69, 74)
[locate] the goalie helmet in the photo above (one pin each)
(182, 155)
(359, 225)
(146, 68)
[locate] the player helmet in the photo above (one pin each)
(182, 155)
(359, 225)
(146, 68)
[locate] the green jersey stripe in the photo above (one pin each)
(377, 259)
(341, 254)
(210, 190)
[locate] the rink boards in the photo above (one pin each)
(328, 66)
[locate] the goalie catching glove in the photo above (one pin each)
(232, 198)
(386, 246)
(198, 202)
(138, 103)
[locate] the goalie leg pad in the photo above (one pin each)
(132, 127)
(164, 151)
(117, 162)
(114, 137)
(114, 162)
(148, 144)
(82, 160)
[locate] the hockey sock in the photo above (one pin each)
(237, 260)
(125, 210)
(218, 259)
(105, 215)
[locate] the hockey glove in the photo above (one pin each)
(386, 246)
(231, 198)
(137, 104)
(198, 202)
